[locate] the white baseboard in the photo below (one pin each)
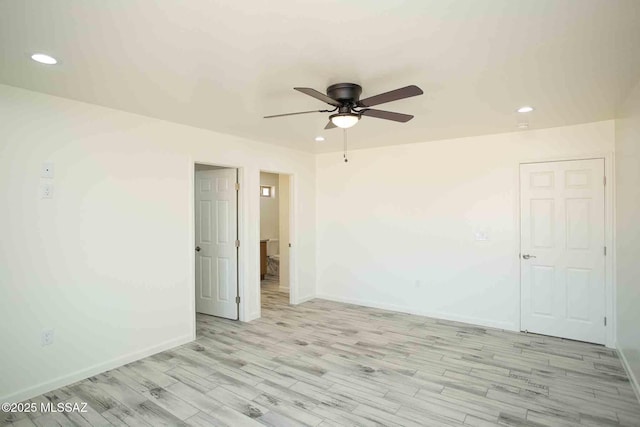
(47, 386)
(304, 299)
(632, 378)
(444, 316)
(251, 316)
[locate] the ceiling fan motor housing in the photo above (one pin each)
(346, 93)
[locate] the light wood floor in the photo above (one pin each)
(324, 363)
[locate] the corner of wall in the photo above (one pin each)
(304, 299)
(507, 326)
(632, 378)
(251, 316)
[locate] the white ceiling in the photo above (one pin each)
(222, 65)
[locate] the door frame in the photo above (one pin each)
(609, 230)
(192, 240)
(293, 277)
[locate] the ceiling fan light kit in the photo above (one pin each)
(344, 120)
(348, 108)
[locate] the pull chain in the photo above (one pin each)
(344, 134)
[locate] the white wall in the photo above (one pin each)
(269, 217)
(108, 262)
(395, 225)
(628, 233)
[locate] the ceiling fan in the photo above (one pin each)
(349, 108)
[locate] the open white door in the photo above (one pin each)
(562, 249)
(216, 233)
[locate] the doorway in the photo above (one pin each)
(275, 247)
(216, 241)
(563, 252)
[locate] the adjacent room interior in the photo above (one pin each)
(274, 237)
(320, 213)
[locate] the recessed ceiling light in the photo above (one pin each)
(525, 109)
(319, 138)
(44, 59)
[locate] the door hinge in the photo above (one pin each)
(605, 321)
(237, 300)
(605, 251)
(237, 243)
(237, 186)
(604, 180)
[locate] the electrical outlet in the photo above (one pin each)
(47, 170)
(47, 337)
(46, 191)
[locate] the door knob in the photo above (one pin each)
(197, 248)
(527, 256)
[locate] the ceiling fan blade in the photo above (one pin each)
(295, 114)
(330, 125)
(387, 115)
(318, 95)
(394, 95)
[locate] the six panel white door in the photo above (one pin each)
(216, 253)
(562, 234)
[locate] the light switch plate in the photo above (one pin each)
(47, 170)
(482, 235)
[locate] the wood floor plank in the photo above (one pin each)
(155, 415)
(286, 410)
(386, 418)
(124, 416)
(194, 397)
(238, 403)
(23, 422)
(324, 363)
(222, 417)
(54, 420)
